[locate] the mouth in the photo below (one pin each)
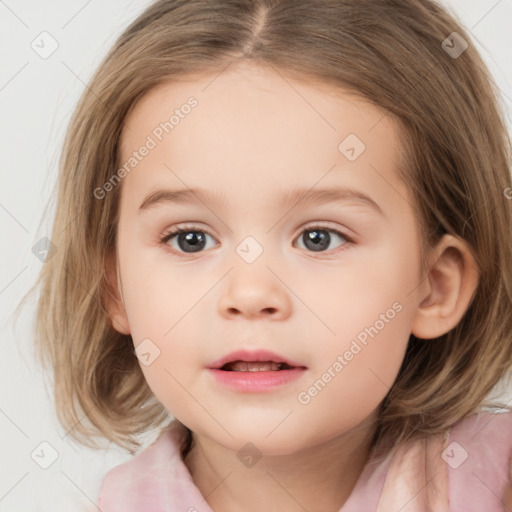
(255, 371)
(244, 360)
(255, 366)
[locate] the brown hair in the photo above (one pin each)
(456, 162)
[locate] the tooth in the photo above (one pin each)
(244, 366)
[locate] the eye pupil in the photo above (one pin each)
(319, 238)
(193, 238)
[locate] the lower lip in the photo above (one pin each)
(256, 382)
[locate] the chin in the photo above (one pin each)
(258, 437)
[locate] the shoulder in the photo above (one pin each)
(463, 469)
(478, 456)
(141, 480)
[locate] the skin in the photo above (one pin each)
(252, 135)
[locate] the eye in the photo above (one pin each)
(189, 239)
(318, 238)
(192, 239)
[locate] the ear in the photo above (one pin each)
(447, 291)
(115, 303)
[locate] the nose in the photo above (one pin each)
(255, 294)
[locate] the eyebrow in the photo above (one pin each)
(288, 198)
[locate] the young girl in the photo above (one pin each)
(341, 172)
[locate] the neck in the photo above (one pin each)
(316, 478)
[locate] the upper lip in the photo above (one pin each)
(252, 356)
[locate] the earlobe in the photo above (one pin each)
(448, 289)
(115, 302)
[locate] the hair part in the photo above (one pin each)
(455, 160)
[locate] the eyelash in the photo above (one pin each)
(191, 228)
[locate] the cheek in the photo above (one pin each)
(370, 311)
(158, 293)
(355, 374)
(160, 303)
(368, 287)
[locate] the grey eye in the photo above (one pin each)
(317, 239)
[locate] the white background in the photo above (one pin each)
(37, 97)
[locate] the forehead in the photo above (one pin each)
(252, 127)
(262, 93)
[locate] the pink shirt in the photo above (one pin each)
(466, 469)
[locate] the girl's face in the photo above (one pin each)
(253, 273)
